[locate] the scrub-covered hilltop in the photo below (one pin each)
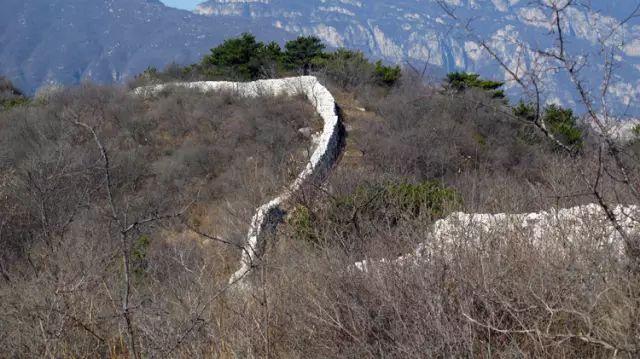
(124, 216)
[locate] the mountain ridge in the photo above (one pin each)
(66, 42)
(420, 31)
(71, 41)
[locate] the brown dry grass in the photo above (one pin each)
(492, 297)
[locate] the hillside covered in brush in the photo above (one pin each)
(123, 216)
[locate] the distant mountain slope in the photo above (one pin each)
(67, 41)
(418, 31)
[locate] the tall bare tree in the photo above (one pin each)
(533, 66)
(119, 216)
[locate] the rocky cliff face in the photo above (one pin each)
(419, 31)
(66, 41)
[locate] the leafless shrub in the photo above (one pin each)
(94, 258)
(61, 260)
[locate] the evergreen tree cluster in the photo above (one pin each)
(245, 59)
(560, 122)
(460, 81)
(10, 96)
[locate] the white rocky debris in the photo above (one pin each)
(586, 224)
(321, 160)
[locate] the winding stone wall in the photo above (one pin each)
(321, 161)
(562, 230)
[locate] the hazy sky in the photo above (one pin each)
(182, 4)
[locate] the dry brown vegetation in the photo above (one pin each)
(493, 297)
(415, 153)
(178, 163)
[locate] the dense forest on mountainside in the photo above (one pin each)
(123, 216)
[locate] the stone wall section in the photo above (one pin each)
(322, 159)
(562, 230)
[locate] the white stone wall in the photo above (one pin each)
(559, 230)
(321, 160)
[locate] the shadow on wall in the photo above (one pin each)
(330, 145)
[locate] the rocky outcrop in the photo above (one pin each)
(326, 152)
(418, 31)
